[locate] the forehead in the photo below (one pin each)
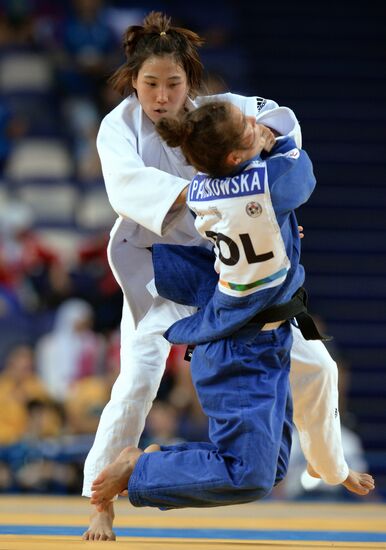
(236, 115)
(165, 66)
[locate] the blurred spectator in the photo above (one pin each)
(83, 119)
(19, 385)
(29, 270)
(35, 462)
(84, 404)
(224, 58)
(71, 351)
(88, 51)
(162, 425)
(193, 423)
(16, 24)
(46, 419)
(94, 281)
(12, 127)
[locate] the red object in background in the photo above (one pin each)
(23, 255)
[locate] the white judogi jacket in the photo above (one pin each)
(140, 169)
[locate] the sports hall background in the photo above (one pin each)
(324, 60)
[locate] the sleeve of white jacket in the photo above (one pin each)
(269, 113)
(284, 121)
(135, 191)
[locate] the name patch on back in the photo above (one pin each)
(249, 182)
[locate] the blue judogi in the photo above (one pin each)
(239, 371)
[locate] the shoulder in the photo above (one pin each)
(123, 119)
(124, 113)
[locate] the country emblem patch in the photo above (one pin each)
(253, 209)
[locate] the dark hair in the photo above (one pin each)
(205, 135)
(157, 37)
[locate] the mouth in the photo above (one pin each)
(160, 111)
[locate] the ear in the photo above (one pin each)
(233, 158)
(134, 82)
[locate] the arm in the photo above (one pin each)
(283, 122)
(290, 175)
(143, 194)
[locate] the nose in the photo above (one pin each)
(162, 96)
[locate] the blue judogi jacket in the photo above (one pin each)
(282, 182)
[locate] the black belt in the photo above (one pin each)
(296, 308)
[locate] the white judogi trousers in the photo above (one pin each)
(144, 351)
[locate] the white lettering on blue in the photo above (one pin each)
(249, 182)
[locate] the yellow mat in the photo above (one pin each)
(45, 523)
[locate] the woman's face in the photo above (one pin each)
(250, 133)
(161, 86)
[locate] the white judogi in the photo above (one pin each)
(143, 178)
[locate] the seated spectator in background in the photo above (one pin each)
(29, 269)
(86, 51)
(19, 384)
(84, 404)
(12, 127)
(162, 425)
(94, 281)
(71, 351)
(16, 24)
(37, 461)
(193, 423)
(82, 121)
(89, 47)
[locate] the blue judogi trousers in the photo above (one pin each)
(243, 386)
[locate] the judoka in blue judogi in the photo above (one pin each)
(241, 360)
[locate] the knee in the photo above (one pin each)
(281, 472)
(253, 491)
(254, 483)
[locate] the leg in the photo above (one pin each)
(143, 355)
(243, 390)
(286, 441)
(314, 385)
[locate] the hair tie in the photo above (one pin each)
(162, 33)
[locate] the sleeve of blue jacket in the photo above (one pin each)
(184, 274)
(290, 176)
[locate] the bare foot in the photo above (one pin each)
(101, 525)
(150, 449)
(358, 483)
(114, 478)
